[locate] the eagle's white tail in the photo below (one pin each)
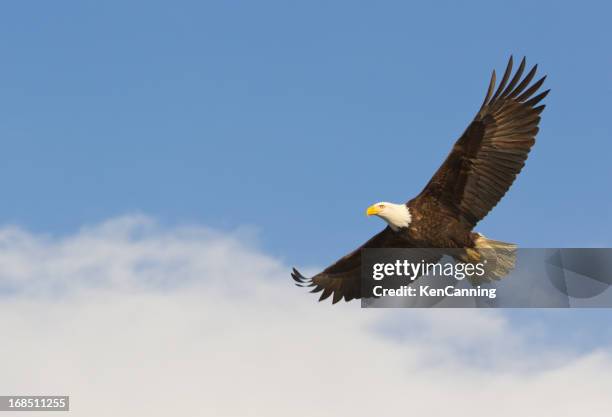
(498, 258)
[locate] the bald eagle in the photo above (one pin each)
(479, 170)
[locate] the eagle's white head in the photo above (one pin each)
(397, 215)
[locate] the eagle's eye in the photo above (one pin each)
(382, 206)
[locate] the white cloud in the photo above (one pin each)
(130, 318)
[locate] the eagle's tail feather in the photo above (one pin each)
(498, 258)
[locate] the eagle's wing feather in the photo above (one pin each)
(489, 155)
(342, 279)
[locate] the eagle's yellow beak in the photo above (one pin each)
(372, 210)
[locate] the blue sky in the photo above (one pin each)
(292, 118)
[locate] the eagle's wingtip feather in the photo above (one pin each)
(298, 277)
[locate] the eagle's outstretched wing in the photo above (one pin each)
(486, 159)
(343, 278)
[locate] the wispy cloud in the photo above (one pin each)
(131, 318)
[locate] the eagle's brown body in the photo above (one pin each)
(433, 226)
(477, 173)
